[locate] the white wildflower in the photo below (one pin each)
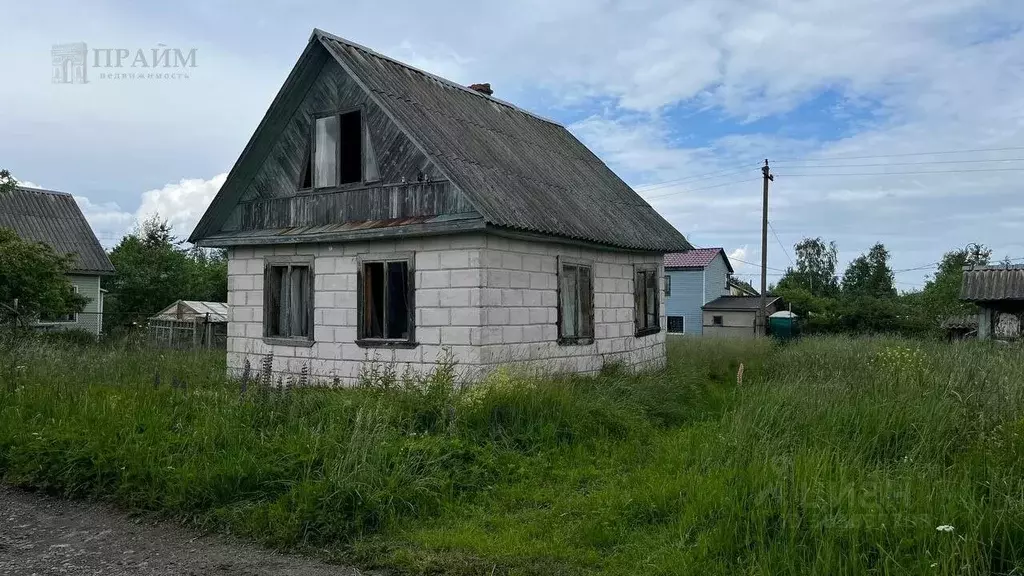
(944, 528)
(934, 565)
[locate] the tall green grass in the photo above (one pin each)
(831, 456)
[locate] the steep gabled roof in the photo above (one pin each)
(520, 171)
(54, 218)
(988, 283)
(696, 258)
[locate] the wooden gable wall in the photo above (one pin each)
(409, 186)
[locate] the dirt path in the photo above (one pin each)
(42, 536)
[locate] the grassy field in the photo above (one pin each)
(832, 456)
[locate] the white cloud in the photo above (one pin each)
(182, 204)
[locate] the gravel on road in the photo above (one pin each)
(41, 535)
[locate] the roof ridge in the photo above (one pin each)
(24, 188)
(321, 34)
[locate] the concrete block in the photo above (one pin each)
(335, 282)
(541, 281)
(428, 335)
(512, 334)
(512, 297)
(497, 316)
(428, 261)
(454, 297)
(520, 279)
(455, 335)
(466, 278)
(466, 316)
(490, 297)
(433, 279)
(433, 317)
(334, 316)
(254, 266)
(533, 298)
(519, 316)
(538, 316)
(511, 261)
(498, 279)
(454, 259)
(533, 333)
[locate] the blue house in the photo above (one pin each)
(692, 279)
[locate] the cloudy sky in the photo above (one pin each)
(900, 121)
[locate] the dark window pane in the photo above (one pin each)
(273, 311)
(373, 300)
(677, 324)
(350, 143)
(586, 311)
(398, 300)
(652, 299)
(570, 302)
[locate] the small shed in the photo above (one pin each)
(783, 324)
(190, 324)
(998, 291)
(736, 316)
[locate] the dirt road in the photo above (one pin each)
(42, 536)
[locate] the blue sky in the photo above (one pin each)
(839, 95)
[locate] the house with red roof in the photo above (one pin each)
(692, 279)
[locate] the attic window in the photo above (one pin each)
(340, 152)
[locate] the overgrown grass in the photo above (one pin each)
(833, 456)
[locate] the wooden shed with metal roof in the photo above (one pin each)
(378, 206)
(998, 291)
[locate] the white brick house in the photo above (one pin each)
(382, 212)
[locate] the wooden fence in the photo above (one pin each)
(195, 333)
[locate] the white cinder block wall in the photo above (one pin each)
(492, 301)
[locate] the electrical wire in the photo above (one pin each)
(972, 161)
(902, 173)
(701, 188)
(665, 183)
(901, 155)
(786, 252)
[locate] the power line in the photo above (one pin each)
(702, 188)
(665, 183)
(906, 173)
(757, 265)
(901, 155)
(774, 233)
(972, 161)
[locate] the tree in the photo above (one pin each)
(940, 297)
(35, 276)
(7, 182)
(869, 275)
(153, 271)
(815, 269)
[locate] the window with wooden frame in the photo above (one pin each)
(717, 321)
(288, 300)
(575, 302)
(386, 301)
(668, 285)
(645, 296)
(339, 153)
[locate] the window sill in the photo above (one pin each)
(281, 341)
(575, 341)
(381, 343)
(647, 332)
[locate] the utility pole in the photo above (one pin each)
(762, 313)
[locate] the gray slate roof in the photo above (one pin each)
(739, 303)
(520, 171)
(54, 218)
(993, 283)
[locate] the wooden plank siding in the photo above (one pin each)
(398, 160)
(379, 202)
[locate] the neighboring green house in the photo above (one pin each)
(54, 218)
